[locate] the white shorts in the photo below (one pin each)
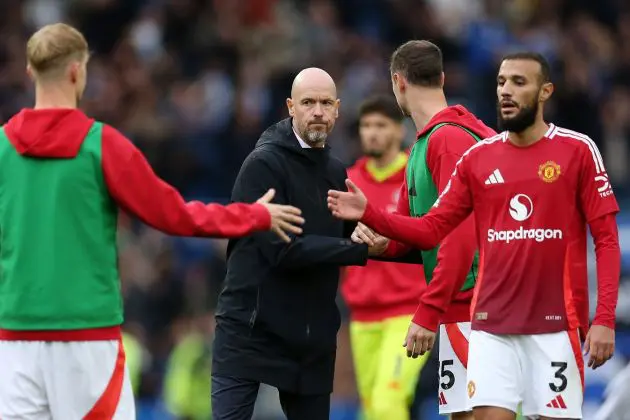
(543, 371)
(453, 348)
(71, 381)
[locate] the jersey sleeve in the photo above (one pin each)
(450, 209)
(595, 191)
(138, 190)
(396, 248)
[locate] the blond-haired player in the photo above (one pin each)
(63, 177)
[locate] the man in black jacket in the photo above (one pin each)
(277, 320)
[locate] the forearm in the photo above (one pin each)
(608, 257)
(412, 256)
(417, 232)
(312, 250)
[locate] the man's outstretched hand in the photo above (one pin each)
(419, 340)
(347, 205)
(599, 345)
(284, 219)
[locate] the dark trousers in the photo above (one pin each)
(234, 399)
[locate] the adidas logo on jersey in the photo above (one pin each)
(557, 402)
(495, 178)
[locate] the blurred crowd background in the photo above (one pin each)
(194, 82)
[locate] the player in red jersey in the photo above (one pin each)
(534, 189)
(444, 133)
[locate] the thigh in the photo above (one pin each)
(554, 367)
(453, 346)
(365, 339)
(22, 390)
(494, 372)
(233, 398)
(88, 380)
(305, 407)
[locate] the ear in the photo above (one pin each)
(546, 91)
(337, 104)
(73, 71)
(399, 81)
(290, 107)
(442, 78)
(30, 72)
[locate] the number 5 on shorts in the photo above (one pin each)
(446, 373)
(560, 368)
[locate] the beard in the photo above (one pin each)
(314, 137)
(525, 118)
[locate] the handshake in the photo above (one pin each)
(376, 243)
(287, 220)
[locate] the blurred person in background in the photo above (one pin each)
(186, 385)
(63, 178)
(382, 296)
(277, 318)
(444, 133)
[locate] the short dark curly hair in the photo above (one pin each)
(381, 104)
(420, 62)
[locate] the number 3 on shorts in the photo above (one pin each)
(445, 373)
(560, 367)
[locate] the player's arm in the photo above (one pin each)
(255, 177)
(394, 251)
(138, 190)
(599, 207)
(456, 253)
(396, 248)
(452, 207)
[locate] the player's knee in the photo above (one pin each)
(493, 413)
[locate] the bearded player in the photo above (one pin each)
(382, 296)
(62, 178)
(444, 133)
(534, 189)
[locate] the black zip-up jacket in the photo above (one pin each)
(277, 319)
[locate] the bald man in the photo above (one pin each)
(277, 320)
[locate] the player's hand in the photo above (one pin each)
(419, 341)
(364, 235)
(347, 205)
(600, 344)
(379, 247)
(284, 219)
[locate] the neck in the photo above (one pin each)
(54, 96)
(424, 103)
(530, 135)
(386, 158)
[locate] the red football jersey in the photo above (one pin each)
(531, 207)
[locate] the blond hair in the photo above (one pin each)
(52, 47)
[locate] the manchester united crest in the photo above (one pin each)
(549, 171)
(471, 389)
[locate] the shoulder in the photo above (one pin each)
(580, 142)
(115, 142)
(485, 145)
(572, 138)
(338, 167)
(450, 138)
